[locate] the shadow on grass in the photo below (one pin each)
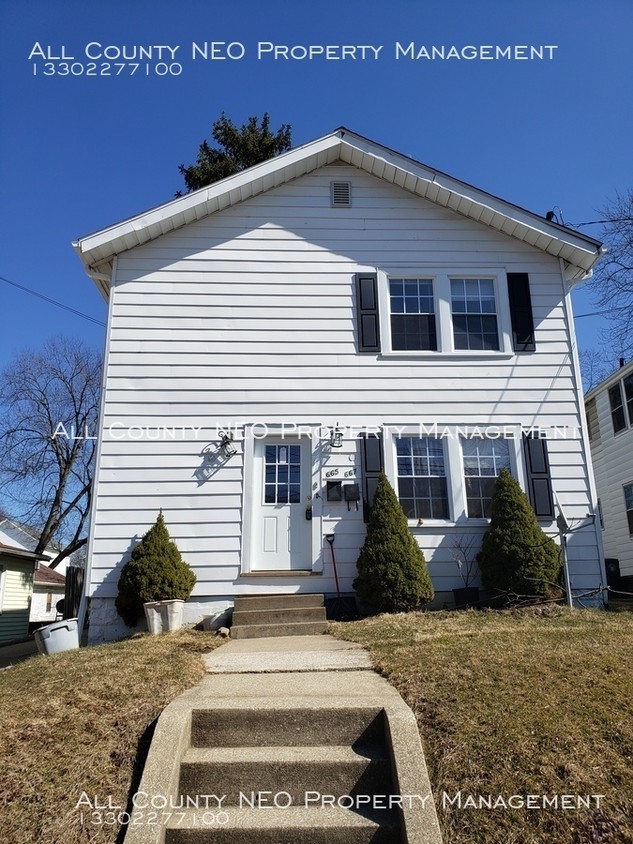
(142, 749)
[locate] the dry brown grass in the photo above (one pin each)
(518, 703)
(81, 721)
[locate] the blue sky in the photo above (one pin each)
(81, 152)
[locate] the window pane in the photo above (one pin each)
(422, 487)
(412, 315)
(269, 495)
(476, 299)
(483, 461)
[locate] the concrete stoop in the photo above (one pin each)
(313, 757)
(278, 615)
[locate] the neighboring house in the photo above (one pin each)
(609, 408)
(48, 585)
(335, 292)
(16, 587)
(27, 537)
(48, 588)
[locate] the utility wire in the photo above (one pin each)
(602, 313)
(53, 301)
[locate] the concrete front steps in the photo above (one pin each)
(286, 757)
(274, 774)
(278, 615)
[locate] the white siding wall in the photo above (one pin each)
(16, 585)
(40, 600)
(248, 316)
(613, 466)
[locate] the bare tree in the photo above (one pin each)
(596, 365)
(49, 411)
(613, 277)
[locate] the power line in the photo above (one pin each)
(53, 301)
(602, 313)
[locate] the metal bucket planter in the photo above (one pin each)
(163, 616)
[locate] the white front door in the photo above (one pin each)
(281, 532)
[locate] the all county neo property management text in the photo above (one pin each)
(168, 59)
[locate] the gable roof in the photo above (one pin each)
(27, 537)
(579, 251)
(44, 574)
(22, 553)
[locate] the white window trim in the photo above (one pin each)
(441, 278)
(453, 464)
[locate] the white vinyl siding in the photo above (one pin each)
(248, 316)
(16, 585)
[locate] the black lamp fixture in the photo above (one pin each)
(226, 444)
(336, 437)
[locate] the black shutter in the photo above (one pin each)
(371, 466)
(521, 312)
(538, 476)
(367, 305)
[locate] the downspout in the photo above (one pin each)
(586, 453)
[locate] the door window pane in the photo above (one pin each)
(282, 474)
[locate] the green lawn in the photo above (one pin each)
(517, 703)
(508, 704)
(80, 721)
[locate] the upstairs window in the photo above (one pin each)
(617, 408)
(474, 314)
(412, 315)
(628, 505)
(627, 383)
(483, 461)
(422, 486)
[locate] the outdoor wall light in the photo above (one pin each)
(336, 437)
(226, 444)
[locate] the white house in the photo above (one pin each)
(337, 292)
(609, 409)
(49, 588)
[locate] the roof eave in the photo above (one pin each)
(579, 251)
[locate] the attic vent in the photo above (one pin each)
(341, 194)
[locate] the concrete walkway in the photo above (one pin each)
(287, 653)
(18, 652)
(276, 704)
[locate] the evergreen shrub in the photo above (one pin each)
(392, 572)
(155, 572)
(516, 556)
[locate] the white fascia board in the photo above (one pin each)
(198, 204)
(579, 251)
(470, 201)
